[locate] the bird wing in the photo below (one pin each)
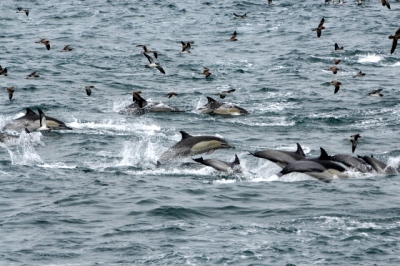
(161, 69)
(337, 87)
(47, 46)
(319, 31)
(394, 44)
(321, 23)
(353, 145)
(149, 58)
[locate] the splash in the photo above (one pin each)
(370, 58)
(25, 153)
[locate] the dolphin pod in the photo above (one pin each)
(31, 121)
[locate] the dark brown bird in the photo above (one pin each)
(395, 39)
(320, 27)
(153, 63)
(336, 84)
(146, 51)
(337, 48)
(359, 74)
(223, 94)
(239, 16)
(336, 61)
(186, 46)
(333, 69)
(21, 10)
(376, 93)
(45, 42)
(138, 99)
(385, 3)
(66, 49)
(171, 94)
(233, 38)
(206, 72)
(10, 91)
(3, 71)
(89, 89)
(33, 75)
(353, 139)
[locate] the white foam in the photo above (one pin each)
(25, 153)
(370, 58)
(59, 165)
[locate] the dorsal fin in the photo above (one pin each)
(236, 161)
(199, 160)
(300, 150)
(185, 135)
(210, 100)
(324, 155)
(30, 112)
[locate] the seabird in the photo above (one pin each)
(89, 89)
(136, 98)
(21, 10)
(171, 94)
(186, 47)
(341, 2)
(223, 94)
(206, 72)
(336, 61)
(146, 51)
(10, 91)
(333, 69)
(153, 64)
(395, 38)
(336, 84)
(45, 42)
(385, 3)
(66, 49)
(337, 48)
(33, 75)
(3, 71)
(239, 16)
(353, 139)
(43, 126)
(233, 38)
(376, 93)
(320, 27)
(359, 74)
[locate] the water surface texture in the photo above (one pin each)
(94, 196)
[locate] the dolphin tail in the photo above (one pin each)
(300, 150)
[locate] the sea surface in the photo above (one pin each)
(94, 196)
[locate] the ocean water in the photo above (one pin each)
(94, 196)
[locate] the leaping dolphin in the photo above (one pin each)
(281, 158)
(192, 145)
(141, 106)
(221, 165)
(221, 108)
(378, 166)
(31, 121)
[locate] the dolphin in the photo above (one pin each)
(281, 158)
(192, 145)
(31, 121)
(221, 165)
(141, 106)
(220, 108)
(352, 162)
(378, 166)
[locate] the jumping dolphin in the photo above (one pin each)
(141, 106)
(220, 108)
(281, 158)
(221, 165)
(352, 162)
(192, 145)
(378, 166)
(31, 121)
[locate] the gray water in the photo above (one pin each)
(93, 195)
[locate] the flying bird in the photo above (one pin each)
(206, 72)
(336, 84)
(233, 38)
(320, 27)
(333, 69)
(45, 42)
(171, 94)
(21, 10)
(153, 64)
(354, 139)
(89, 89)
(186, 46)
(10, 91)
(223, 94)
(239, 16)
(395, 39)
(66, 49)
(376, 93)
(337, 48)
(3, 71)
(385, 3)
(336, 61)
(146, 51)
(359, 74)
(33, 75)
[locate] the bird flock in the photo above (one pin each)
(289, 164)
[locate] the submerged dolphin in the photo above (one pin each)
(192, 145)
(352, 162)
(378, 166)
(221, 165)
(281, 158)
(141, 106)
(31, 121)
(220, 108)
